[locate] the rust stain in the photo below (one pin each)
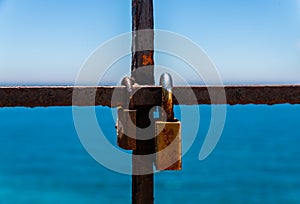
(148, 59)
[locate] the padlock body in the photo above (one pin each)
(168, 145)
(126, 129)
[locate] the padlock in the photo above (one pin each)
(126, 124)
(168, 133)
(126, 129)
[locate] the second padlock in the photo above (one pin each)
(168, 131)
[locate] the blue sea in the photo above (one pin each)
(257, 160)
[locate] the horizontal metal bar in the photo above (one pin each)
(45, 96)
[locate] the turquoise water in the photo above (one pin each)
(256, 161)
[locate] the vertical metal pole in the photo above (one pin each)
(143, 72)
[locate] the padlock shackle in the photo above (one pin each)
(128, 83)
(166, 82)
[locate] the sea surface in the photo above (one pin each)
(257, 160)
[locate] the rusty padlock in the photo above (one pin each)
(168, 130)
(126, 124)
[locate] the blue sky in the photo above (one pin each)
(250, 41)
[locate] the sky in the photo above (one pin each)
(249, 41)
